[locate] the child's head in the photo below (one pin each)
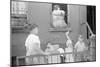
(80, 38)
(33, 29)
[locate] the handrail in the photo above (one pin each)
(50, 55)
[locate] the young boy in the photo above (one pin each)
(32, 45)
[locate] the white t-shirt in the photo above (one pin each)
(69, 43)
(60, 50)
(31, 43)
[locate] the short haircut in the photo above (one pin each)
(32, 26)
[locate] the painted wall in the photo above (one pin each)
(40, 14)
(77, 16)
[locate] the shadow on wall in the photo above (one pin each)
(18, 44)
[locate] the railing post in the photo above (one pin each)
(17, 61)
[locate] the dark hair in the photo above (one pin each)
(32, 26)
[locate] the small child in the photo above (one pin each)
(52, 49)
(80, 46)
(69, 49)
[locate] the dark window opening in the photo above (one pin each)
(91, 19)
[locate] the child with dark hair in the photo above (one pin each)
(32, 45)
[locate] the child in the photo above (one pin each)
(51, 50)
(69, 49)
(80, 47)
(32, 45)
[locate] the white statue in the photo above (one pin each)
(58, 17)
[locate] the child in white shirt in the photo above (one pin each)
(32, 45)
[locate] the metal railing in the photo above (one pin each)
(55, 58)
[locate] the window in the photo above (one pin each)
(18, 7)
(18, 15)
(59, 17)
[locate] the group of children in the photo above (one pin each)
(68, 53)
(55, 54)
